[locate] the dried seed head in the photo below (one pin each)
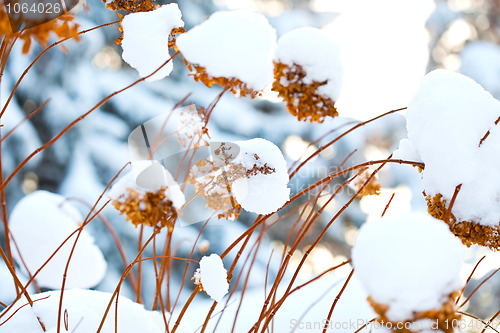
(469, 232)
(153, 209)
(302, 99)
(234, 85)
(131, 5)
(213, 181)
(442, 316)
(63, 27)
(371, 188)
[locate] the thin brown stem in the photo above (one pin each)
(74, 122)
(329, 317)
(488, 133)
(452, 202)
(468, 280)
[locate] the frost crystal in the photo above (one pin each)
(146, 39)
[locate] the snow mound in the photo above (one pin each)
(261, 193)
(229, 44)
(213, 277)
(447, 119)
(319, 56)
(145, 39)
(406, 151)
(409, 262)
(40, 223)
(85, 309)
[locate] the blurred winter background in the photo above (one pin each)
(387, 46)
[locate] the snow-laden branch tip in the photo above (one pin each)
(408, 263)
(447, 119)
(264, 190)
(145, 40)
(212, 277)
(232, 44)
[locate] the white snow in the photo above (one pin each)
(261, 193)
(319, 56)
(39, 223)
(410, 262)
(213, 277)
(147, 176)
(145, 39)
(446, 120)
(406, 151)
(228, 44)
(383, 64)
(85, 309)
(304, 311)
(8, 289)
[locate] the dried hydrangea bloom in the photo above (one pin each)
(212, 277)
(469, 232)
(452, 125)
(63, 27)
(238, 47)
(213, 183)
(147, 38)
(396, 259)
(371, 188)
(425, 320)
(131, 5)
(308, 74)
(151, 198)
(248, 174)
(191, 127)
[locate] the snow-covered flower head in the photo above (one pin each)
(233, 49)
(410, 266)
(147, 38)
(132, 6)
(212, 277)
(148, 195)
(308, 73)
(371, 188)
(248, 174)
(451, 123)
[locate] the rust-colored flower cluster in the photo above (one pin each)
(213, 179)
(131, 6)
(469, 232)
(302, 99)
(152, 209)
(215, 186)
(63, 27)
(371, 188)
(443, 316)
(234, 85)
